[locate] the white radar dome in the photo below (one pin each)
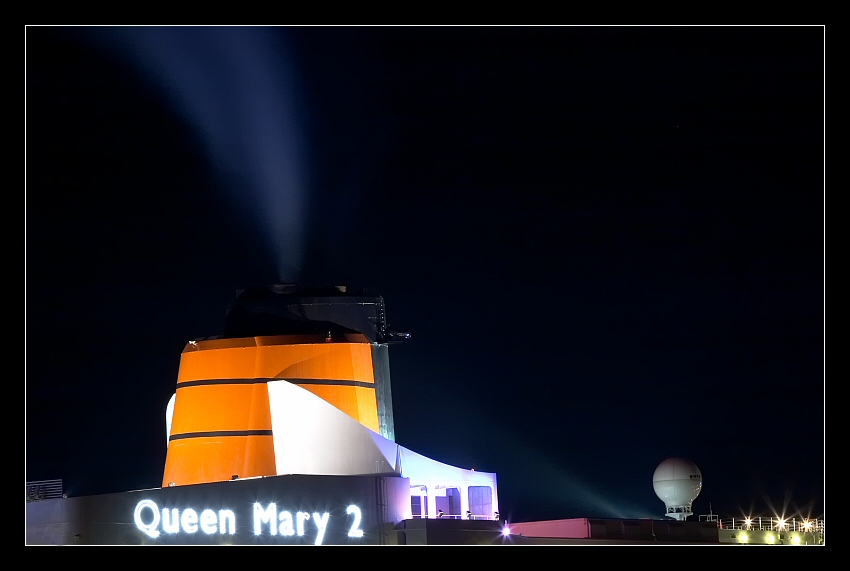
(677, 483)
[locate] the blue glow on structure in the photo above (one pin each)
(318, 438)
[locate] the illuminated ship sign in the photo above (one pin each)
(269, 519)
(280, 431)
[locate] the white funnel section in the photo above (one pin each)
(311, 436)
(169, 414)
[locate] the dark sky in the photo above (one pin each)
(607, 243)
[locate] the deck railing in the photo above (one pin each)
(767, 523)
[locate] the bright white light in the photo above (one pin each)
(807, 525)
(228, 517)
(743, 537)
(148, 528)
(269, 516)
(506, 531)
(795, 539)
(321, 523)
(286, 527)
(769, 537)
(355, 530)
(300, 518)
(209, 523)
(189, 520)
(781, 525)
(173, 521)
(170, 522)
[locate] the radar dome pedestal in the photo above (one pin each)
(677, 483)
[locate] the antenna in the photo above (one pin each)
(677, 483)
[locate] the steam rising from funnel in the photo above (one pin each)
(234, 85)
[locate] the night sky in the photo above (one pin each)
(606, 242)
